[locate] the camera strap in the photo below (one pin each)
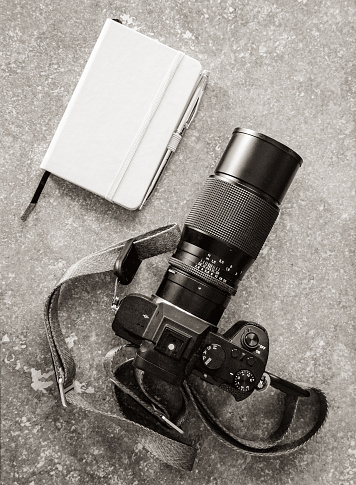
(138, 413)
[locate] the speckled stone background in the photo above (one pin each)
(281, 67)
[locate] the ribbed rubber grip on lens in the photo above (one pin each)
(234, 214)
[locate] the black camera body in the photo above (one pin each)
(173, 345)
(176, 330)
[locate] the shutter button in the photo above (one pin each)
(250, 341)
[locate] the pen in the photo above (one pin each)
(193, 104)
(184, 123)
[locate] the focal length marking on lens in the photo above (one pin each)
(217, 268)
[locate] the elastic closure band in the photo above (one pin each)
(144, 125)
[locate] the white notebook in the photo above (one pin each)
(130, 99)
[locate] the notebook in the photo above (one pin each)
(132, 104)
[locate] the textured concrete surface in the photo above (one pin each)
(281, 67)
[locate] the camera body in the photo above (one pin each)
(176, 330)
(174, 344)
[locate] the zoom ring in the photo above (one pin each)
(234, 214)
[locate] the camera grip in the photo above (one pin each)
(238, 395)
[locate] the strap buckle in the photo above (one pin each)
(63, 390)
(116, 299)
(172, 425)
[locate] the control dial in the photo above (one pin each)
(213, 356)
(244, 380)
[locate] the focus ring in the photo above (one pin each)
(201, 275)
(234, 214)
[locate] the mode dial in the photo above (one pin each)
(244, 380)
(213, 356)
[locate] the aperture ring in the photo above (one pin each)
(201, 275)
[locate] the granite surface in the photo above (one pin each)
(284, 68)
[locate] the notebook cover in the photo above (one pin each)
(108, 108)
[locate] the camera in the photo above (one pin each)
(176, 330)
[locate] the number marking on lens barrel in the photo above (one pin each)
(216, 267)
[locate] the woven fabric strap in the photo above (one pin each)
(169, 446)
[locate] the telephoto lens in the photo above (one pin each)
(228, 224)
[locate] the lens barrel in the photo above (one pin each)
(229, 223)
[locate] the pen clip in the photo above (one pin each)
(192, 113)
(198, 97)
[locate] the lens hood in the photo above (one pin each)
(260, 161)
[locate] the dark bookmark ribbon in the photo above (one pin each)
(36, 195)
(167, 444)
